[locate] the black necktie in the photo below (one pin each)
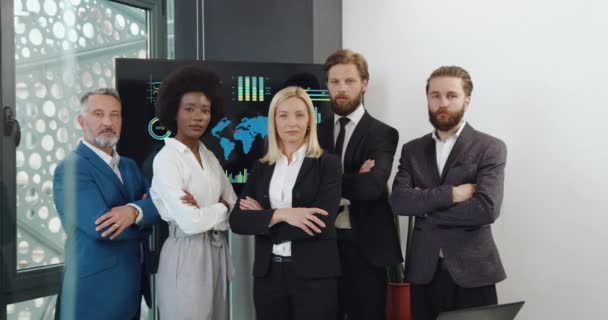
(340, 140)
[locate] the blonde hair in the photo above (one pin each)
(313, 149)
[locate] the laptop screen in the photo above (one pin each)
(506, 311)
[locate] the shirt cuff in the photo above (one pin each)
(140, 213)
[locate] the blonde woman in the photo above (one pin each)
(290, 204)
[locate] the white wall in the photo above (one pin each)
(540, 70)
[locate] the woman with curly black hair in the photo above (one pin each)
(193, 195)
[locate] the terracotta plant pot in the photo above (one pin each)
(398, 302)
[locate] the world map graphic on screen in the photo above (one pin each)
(238, 139)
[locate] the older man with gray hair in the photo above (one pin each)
(102, 201)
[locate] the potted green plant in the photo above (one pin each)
(398, 305)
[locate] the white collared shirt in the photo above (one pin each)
(343, 218)
(175, 169)
(112, 161)
(442, 152)
(444, 148)
(281, 188)
(354, 118)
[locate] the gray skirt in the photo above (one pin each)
(193, 274)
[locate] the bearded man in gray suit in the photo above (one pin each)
(452, 181)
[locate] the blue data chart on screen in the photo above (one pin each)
(238, 138)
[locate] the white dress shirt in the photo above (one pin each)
(444, 148)
(343, 218)
(112, 161)
(442, 152)
(281, 188)
(175, 169)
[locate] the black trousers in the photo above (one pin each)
(443, 294)
(282, 295)
(362, 289)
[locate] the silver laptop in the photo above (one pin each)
(506, 311)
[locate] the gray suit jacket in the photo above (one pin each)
(462, 231)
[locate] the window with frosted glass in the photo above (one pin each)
(62, 49)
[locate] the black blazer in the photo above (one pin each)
(317, 186)
(371, 216)
(462, 231)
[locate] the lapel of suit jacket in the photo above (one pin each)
(462, 141)
(430, 153)
(306, 166)
(361, 130)
(102, 167)
(268, 170)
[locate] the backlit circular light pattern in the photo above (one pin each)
(59, 154)
(40, 125)
(47, 142)
(21, 91)
(25, 52)
(22, 178)
(32, 6)
(134, 29)
(35, 161)
(88, 30)
(69, 18)
(43, 212)
(50, 7)
(54, 225)
(48, 107)
(37, 255)
(22, 264)
(72, 35)
(35, 37)
(42, 22)
(23, 247)
(58, 30)
(48, 96)
(39, 90)
(120, 21)
(19, 27)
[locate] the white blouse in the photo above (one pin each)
(175, 169)
(281, 188)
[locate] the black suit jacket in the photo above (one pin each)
(317, 186)
(371, 217)
(462, 231)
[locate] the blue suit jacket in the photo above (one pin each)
(102, 278)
